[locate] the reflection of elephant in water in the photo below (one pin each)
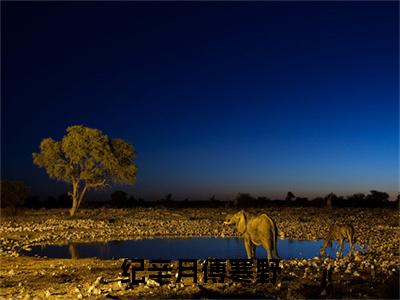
(338, 233)
(256, 231)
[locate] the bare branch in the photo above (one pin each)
(96, 185)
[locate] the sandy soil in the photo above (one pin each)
(373, 274)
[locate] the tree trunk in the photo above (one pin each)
(74, 208)
(77, 198)
(329, 202)
(73, 251)
(75, 201)
(80, 198)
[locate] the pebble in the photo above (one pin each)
(152, 283)
(93, 289)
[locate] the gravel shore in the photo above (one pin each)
(373, 274)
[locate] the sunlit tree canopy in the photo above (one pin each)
(87, 159)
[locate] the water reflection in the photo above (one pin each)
(73, 251)
(199, 248)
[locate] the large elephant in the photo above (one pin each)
(255, 231)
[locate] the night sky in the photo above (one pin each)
(217, 98)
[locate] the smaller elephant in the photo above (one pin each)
(338, 233)
(255, 231)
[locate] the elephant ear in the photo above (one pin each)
(242, 224)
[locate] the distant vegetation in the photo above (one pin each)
(17, 197)
(13, 195)
(87, 159)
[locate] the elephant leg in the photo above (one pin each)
(248, 246)
(351, 244)
(341, 248)
(268, 248)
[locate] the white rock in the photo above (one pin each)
(94, 286)
(152, 282)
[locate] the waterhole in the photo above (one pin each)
(183, 248)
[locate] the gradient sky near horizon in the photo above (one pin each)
(217, 98)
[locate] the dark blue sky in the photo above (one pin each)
(217, 98)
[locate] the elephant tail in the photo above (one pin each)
(275, 241)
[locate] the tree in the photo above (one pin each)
(119, 199)
(244, 200)
(377, 198)
(380, 196)
(357, 199)
(13, 193)
(167, 198)
(329, 200)
(87, 159)
(301, 201)
(290, 196)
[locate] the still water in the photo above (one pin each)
(178, 248)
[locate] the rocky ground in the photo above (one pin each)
(372, 274)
